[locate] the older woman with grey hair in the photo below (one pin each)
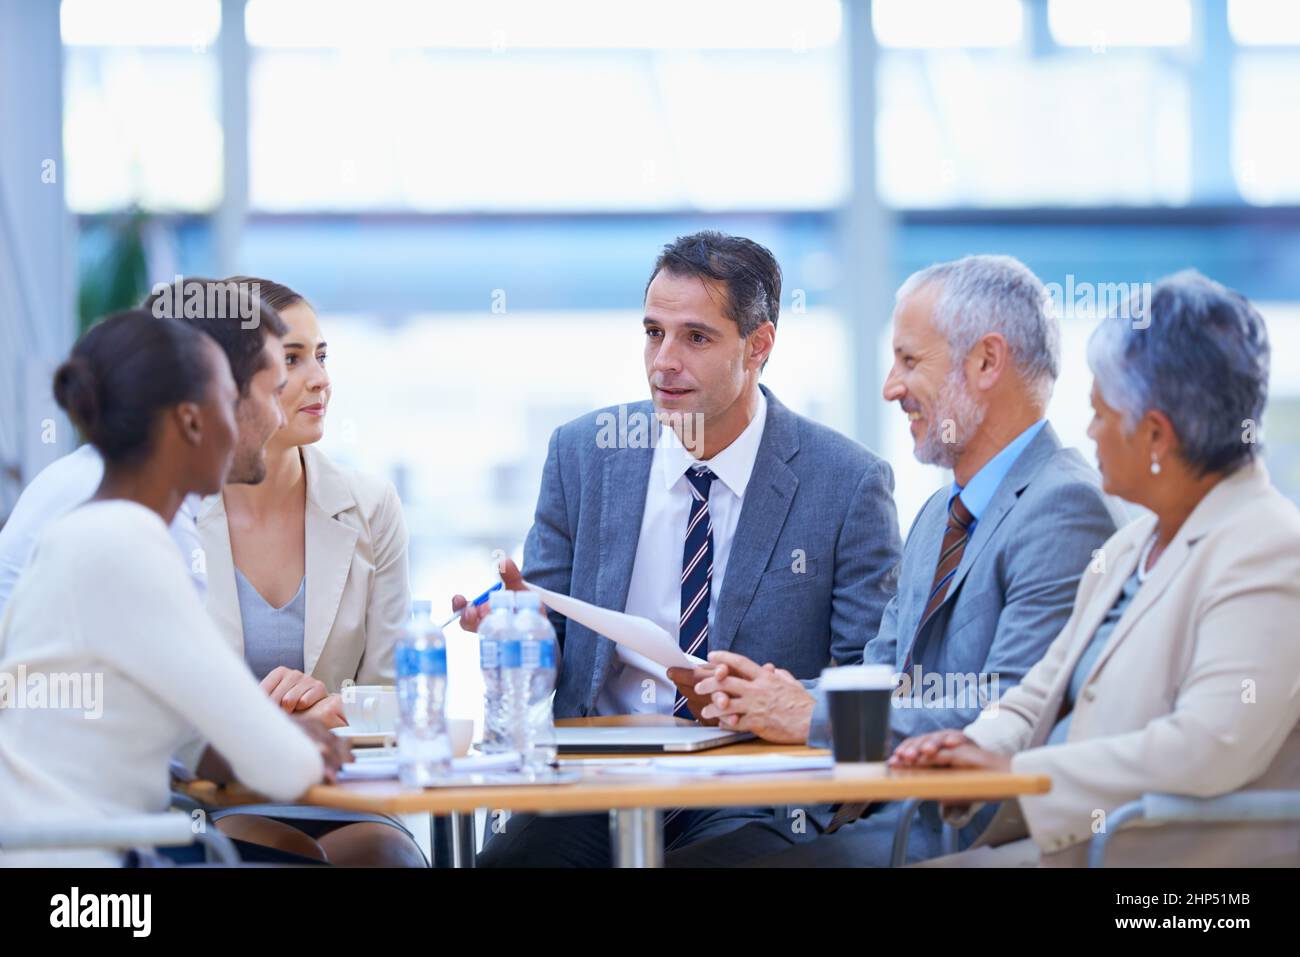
(1177, 671)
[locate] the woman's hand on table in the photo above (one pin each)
(293, 690)
(947, 749)
(328, 711)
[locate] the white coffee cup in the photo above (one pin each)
(461, 731)
(370, 708)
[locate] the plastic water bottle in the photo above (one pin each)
(537, 652)
(423, 745)
(491, 631)
(514, 690)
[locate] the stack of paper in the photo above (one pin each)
(708, 765)
(384, 765)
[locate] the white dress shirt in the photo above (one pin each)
(105, 600)
(637, 685)
(59, 488)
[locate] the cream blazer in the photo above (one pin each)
(1197, 691)
(358, 595)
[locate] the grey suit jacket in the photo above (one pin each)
(812, 492)
(1009, 599)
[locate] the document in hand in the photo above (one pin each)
(631, 631)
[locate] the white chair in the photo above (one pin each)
(124, 833)
(1243, 807)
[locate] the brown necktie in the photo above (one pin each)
(955, 537)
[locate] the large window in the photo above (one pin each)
(977, 107)
(987, 128)
(1266, 111)
(142, 109)
(566, 106)
(946, 24)
(1264, 22)
(1101, 24)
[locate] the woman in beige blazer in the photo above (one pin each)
(1179, 669)
(307, 581)
(333, 540)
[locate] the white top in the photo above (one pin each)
(103, 610)
(656, 588)
(59, 488)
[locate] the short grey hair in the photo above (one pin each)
(979, 295)
(1200, 356)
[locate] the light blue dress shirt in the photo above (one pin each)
(980, 489)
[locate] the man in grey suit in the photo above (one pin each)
(713, 510)
(990, 567)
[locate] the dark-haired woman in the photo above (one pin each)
(307, 574)
(104, 605)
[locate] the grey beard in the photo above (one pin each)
(956, 405)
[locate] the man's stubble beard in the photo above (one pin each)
(249, 468)
(954, 404)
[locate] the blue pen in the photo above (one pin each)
(477, 601)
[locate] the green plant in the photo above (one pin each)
(118, 279)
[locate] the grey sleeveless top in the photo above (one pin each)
(272, 636)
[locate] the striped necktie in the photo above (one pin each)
(955, 537)
(697, 574)
(693, 627)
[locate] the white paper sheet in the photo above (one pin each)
(383, 764)
(640, 635)
(711, 765)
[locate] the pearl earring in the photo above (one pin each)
(1155, 465)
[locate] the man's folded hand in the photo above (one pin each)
(764, 699)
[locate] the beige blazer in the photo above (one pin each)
(358, 595)
(1197, 691)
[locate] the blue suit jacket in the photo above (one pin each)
(1008, 600)
(1011, 595)
(812, 492)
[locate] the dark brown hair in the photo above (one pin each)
(749, 272)
(242, 344)
(274, 294)
(123, 372)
